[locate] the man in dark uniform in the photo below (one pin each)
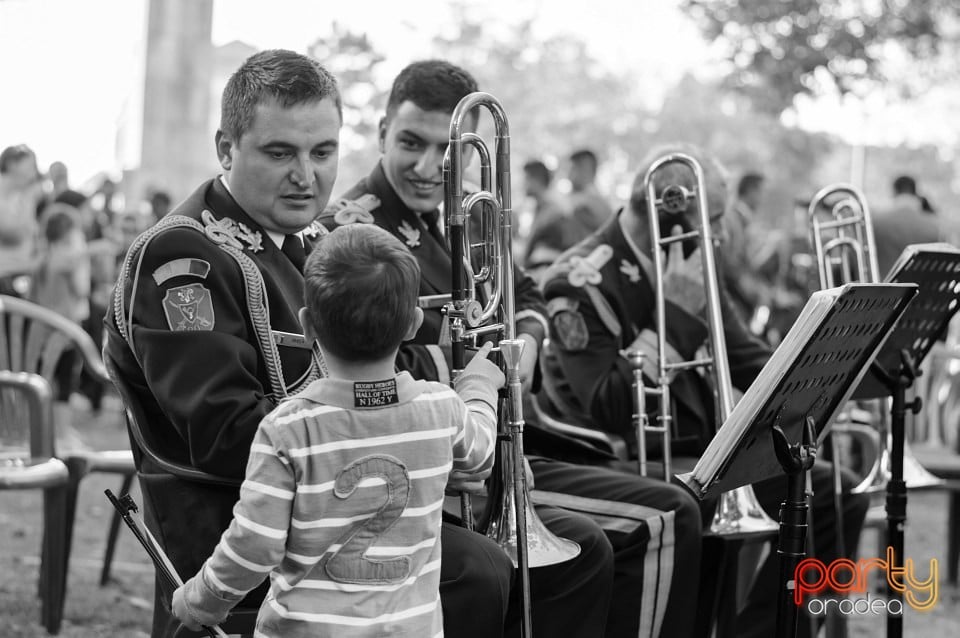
(204, 326)
(652, 528)
(601, 303)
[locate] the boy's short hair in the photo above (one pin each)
(361, 286)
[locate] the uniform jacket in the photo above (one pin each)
(373, 200)
(191, 330)
(597, 311)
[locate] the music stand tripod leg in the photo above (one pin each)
(896, 505)
(796, 460)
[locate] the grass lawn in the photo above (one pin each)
(123, 608)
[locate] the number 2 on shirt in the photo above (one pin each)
(348, 564)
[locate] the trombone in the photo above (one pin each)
(513, 523)
(738, 511)
(841, 231)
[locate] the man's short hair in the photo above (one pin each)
(585, 157)
(538, 170)
(714, 176)
(13, 154)
(749, 182)
(288, 77)
(432, 85)
(905, 185)
(361, 286)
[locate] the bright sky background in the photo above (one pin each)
(72, 70)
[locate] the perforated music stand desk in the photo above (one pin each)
(935, 268)
(821, 376)
(781, 435)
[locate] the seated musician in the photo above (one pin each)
(358, 460)
(600, 296)
(203, 293)
(639, 535)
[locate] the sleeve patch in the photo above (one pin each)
(189, 308)
(561, 304)
(186, 266)
(570, 330)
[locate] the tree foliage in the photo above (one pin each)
(556, 95)
(353, 59)
(778, 49)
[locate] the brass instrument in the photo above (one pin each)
(738, 511)
(841, 231)
(513, 523)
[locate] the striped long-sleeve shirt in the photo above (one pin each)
(341, 506)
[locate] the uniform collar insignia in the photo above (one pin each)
(411, 235)
(228, 231)
(632, 271)
(586, 270)
(315, 229)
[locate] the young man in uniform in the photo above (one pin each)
(652, 528)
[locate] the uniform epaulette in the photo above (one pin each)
(353, 211)
(231, 232)
(586, 270)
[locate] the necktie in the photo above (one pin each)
(293, 248)
(431, 220)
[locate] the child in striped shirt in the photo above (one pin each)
(344, 488)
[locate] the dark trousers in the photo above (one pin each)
(475, 581)
(571, 598)
(758, 618)
(654, 531)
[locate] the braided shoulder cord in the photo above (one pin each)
(255, 295)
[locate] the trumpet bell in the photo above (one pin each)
(740, 513)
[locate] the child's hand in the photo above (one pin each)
(482, 366)
(179, 608)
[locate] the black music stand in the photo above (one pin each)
(935, 269)
(795, 400)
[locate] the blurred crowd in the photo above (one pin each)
(60, 247)
(766, 266)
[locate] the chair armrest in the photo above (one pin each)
(35, 390)
(609, 442)
(180, 470)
